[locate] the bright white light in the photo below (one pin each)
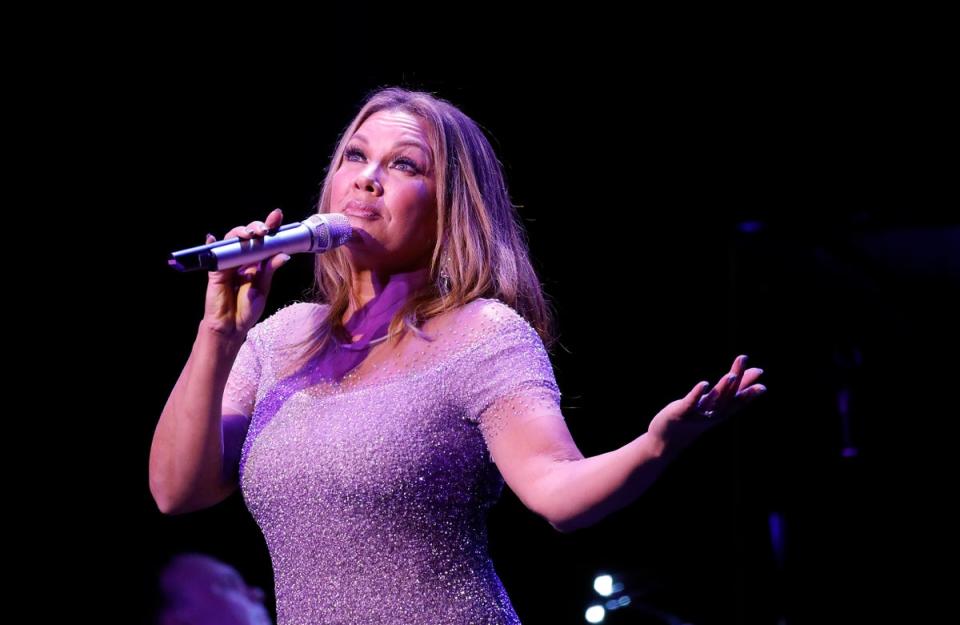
(603, 584)
(595, 614)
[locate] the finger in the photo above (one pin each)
(274, 219)
(224, 274)
(739, 364)
(691, 401)
(708, 401)
(750, 376)
(731, 381)
(695, 393)
(258, 228)
(746, 396)
(250, 271)
(754, 390)
(724, 393)
(208, 240)
(240, 232)
(714, 400)
(264, 277)
(699, 396)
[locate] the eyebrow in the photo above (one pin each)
(402, 142)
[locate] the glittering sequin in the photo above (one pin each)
(372, 493)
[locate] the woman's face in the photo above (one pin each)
(386, 186)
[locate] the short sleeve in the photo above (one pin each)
(266, 345)
(508, 374)
(241, 389)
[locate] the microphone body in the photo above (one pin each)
(317, 234)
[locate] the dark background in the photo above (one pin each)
(680, 211)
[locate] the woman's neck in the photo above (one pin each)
(369, 283)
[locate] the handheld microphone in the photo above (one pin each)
(317, 234)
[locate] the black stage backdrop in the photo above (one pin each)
(679, 213)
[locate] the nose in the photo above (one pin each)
(366, 181)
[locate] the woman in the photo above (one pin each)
(370, 431)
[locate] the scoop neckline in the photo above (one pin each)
(341, 389)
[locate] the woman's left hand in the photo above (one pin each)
(683, 420)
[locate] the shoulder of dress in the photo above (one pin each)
(290, 316)
(488, 315)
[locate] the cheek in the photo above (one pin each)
(419, 216)
(424, 233)
(339, 184)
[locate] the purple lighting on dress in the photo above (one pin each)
(372, 493)
(371, 322)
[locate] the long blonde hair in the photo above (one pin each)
(481, 233)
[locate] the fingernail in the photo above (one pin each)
(759, 371)
(732, 377)
(285, 259)
(762, 389)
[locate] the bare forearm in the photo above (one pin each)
(186, 456)
(582, 492)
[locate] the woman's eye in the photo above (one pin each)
(405, 164)
(408, 164)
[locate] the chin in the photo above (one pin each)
(359, 256)
(361, 238)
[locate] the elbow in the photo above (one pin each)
(165, 504)
(555, 505)
(557, 521)
(171, 496)
(160, 487)
(172, 507)
(564, 526)
(181, 502)
(167, 510)
(160, 498)
(560, 520)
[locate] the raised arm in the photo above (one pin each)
(541, 464)
(195, 449)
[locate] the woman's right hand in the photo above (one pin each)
(236, 297)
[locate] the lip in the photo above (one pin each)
(356, 208)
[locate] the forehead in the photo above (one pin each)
(392, 126)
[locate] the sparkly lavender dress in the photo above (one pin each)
(372, 491)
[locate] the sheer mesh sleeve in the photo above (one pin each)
(508, 375)
(241, 390)
(266, 342)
